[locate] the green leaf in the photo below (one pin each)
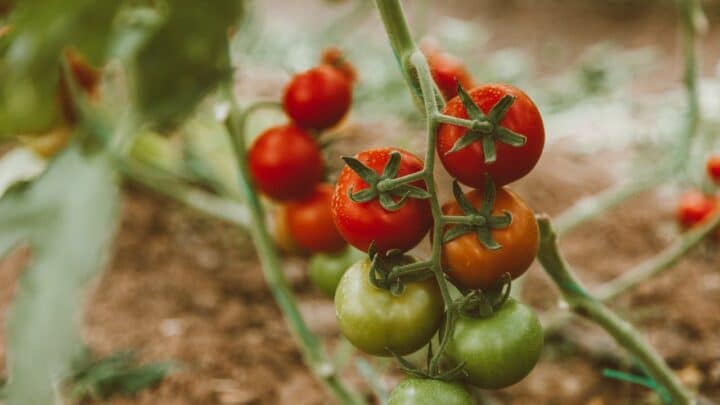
(68, 216)
(509, 137)
(185, 58)
(209, 153)
(462, 201)
(29, 66)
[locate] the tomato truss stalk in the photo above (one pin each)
(309, 343)
(417, 74)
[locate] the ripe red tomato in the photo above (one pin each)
(513, 162)
(447, 71)
(318, 98)
(310, 222)
(713, 168)
(362, 223)
(286, 163)
(471, 265)
(694, 207)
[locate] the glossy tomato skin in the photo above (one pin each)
(512, 163)
(310, 223)
(326, 269)
(372, 318)
(498, 351)
(416, 391)
(694, 207)
(447, 71)
(285, 163)
(362, 223)
(713, 168)
(471, 265)
(318, 98)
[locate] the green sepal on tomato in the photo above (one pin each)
(470, 165)
(326, 269)
(497, 351)
(424, 391)
(472, 265)
(375, 321)
(362, 223)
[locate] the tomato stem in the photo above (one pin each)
(308, 342)
(582, 303)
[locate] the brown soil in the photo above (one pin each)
(185, 287)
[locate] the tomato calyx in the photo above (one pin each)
(481, 221)
(449, 375)
(483, 304)
(393, 269)
(485, 128)
(385, 187)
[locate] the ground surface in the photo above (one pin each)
(185, 287)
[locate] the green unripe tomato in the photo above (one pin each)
(416, 391)
(497, 351)
(326, 269)
(373, 319)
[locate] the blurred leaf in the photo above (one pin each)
(18, 165)
(29, 68)
(209, 152)
(117, 373)
(157, 151)
(67, 216)
(186, 57)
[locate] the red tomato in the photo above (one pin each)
(334, 57)
(512, 163)
(694, 207)
(362, 223)
(447, 71)
(713, 168)
(285, 162)
(310, 222)
(318, 98)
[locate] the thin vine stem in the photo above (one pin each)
(691, 20)
(270, 264)
(582, 303)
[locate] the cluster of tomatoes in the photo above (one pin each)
(490, 236)
(696, 207)
(287, 165)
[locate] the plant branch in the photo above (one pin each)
(308, 342)
(659, 263)
(585, 305)
(590, 207)
(691, 15)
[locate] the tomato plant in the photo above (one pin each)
(474, 263)
(285, 162)
(334, 57)
(310, 223)
(417, 391)
(318, 98)
(374, 320)
(500, 350)
(366, 220)
(326, 269)
(713, 168)
(506, 148)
